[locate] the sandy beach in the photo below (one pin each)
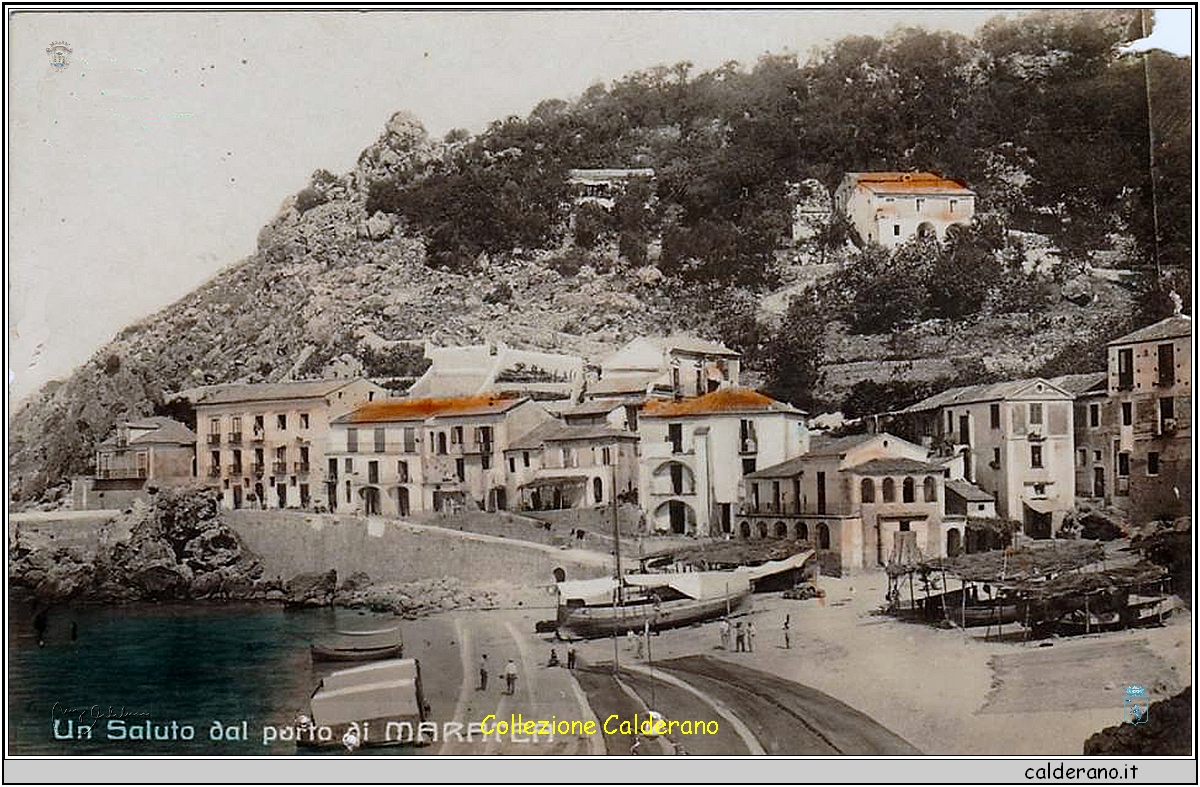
(948, 691)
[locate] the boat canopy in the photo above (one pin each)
(380, 671)
(699, 585)
(366, 701)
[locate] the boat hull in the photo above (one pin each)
(604, 621)
(320, 653)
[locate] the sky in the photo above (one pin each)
(153, 158)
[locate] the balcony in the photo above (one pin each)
(257, 436)
(122, 472)
(748, 446)
(300, 467)
(214, 439)
(235, 471)
(256, 469)
(235, 437)
(214, 471)
(279, 467)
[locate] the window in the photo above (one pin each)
(567, 457)
(380, 440)
(821, 494)
(303, 420)
(868, 490)
(920, 204)
(953, 205)
(1166, 364)
(1093, 415)
(258, 425)
(349, 465)
(456, 436)
(889, 490)
(1125, 369)
(1166, 414)
(1123, 463)
(675, 437)
(525, 458)
(1152, 463)
(994, 414)
(214, 426)
(930, 489)
(1097, 456)
(347, 488)
(235, 424)
(483, 436)
(896, 230)
(460, 469)
(410, 440)
(281, 421)
(370, 396)
(512, 464)
(748, 440)
(949, 421)
(485, 460)
(677, 478)
(597, 490)
(908, 490)
(402, 472)
(964, 429)
(441, 443)
(1039, 490)
(216, 459)
(606, 455)
(1083, 456)
(749, 465)
(373, 472)
(1035, 456)
(1035, 414)
(351, 441)
(1126, 413)
(995, 458)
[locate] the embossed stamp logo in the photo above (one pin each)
(1137, 705)
(59, 52)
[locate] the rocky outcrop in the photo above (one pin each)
(1166, 732)
(177, 549)
(314, 589)
(414, 599)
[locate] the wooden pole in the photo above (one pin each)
(1087, 616)
(964, 604)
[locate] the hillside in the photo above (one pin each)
(467, 238)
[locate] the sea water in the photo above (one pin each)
(164, 679)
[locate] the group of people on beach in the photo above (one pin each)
(742, 634)
(509, 673)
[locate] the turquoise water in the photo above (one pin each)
(174, 666)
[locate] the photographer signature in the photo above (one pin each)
(94, 712)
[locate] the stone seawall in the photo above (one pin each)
(291, 543)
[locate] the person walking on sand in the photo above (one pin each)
(571, 658)
(739, 637)
(724, 633)
(787, 632)
(750, 635)
(510, 676)
(483, 673)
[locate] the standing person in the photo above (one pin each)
(629, 639)
(787, 632)
(510, 676)
(571, 657)
(483, 673)
(750, 635)
(739, 637)
(724, 633)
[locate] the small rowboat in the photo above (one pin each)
(360, 646)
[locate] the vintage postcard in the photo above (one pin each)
(710, 382)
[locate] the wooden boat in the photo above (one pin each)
(1138, 611)
(587, 608)
(985, 614)
(383, 643)
(381, 704)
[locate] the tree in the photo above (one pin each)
(792, 355)
(883, 290)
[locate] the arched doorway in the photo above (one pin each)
(745, 530)
(237, 497)
(762, 529)
(823, 536)
(926, 230)
(676, 516)
(780, 530)
(402, 502)
(597, 490)
(260, 495)
(802, 531)
(953, 542)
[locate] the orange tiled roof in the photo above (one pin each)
(909, 183)
(420, 409)
(725, 400)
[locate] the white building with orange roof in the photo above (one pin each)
(399, 456)
(889, 208)
(695, 451)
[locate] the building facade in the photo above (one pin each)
(403, 456)
(1150, 393)
(139, 457)
(889, 208)
(1093, 418)
(695, 451)
(264, 445)
(1015, 440)
(558, 466)
(674, 366)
